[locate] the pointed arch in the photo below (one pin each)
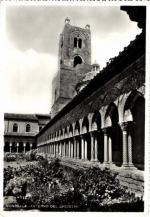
(77, 128)
(134, 110)
(96, 121)
(85, 125)
(70, 130)
(77, 61)
(112, 121)
(111, 116)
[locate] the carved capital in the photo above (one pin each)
(107, 130)
(126, 126)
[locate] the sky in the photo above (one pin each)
(30, 48)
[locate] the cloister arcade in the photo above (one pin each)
(18, 147)
(113, 135)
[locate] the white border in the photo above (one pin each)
(147, 126)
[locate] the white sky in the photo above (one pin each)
(30, 48)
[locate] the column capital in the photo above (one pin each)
(126, 126)
(107, 130)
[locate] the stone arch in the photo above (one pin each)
(78, 138)
(70, 130)
(87, 138)
(134, 110)
(27, 146)
(77, 60)
(96, 121)
(112, 122)
(20, 148)
(61, 134)
(65, 132)
(85, 125)
(77, 128)
(111, 116)
(6, 147)
(96, 127)
(14, 147)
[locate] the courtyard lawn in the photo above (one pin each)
(49, 186)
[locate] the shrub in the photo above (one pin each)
(10, 157)
(49, 185)
(31, 155)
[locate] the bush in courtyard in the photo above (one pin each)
(10, 157)
(50, 186)
(31, 155)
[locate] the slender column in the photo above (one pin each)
(125, 144)
(85, 149)
(53, 149)
(60, 148)
(64, 147)
(57, 148)
(49, 148)
(30, 146)
(78, 149)
(130, 149)
(105, 146)
(82, 148)
(92, 146)
(71, 149)
(110, 149)
(17, 146)
(10, 147)
(74, 147)
(24, 147)
(96, 149)
(69, 155)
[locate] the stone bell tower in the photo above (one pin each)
(74, 61)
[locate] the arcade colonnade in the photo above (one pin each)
(113, 135)
(18, 147)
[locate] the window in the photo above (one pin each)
(78, 42)
(77, 60)
(15, 127)
(28, 128)
(75, 42)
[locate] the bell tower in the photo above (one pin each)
(74, 61)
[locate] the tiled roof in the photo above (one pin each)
(32, 117)
(15, 116)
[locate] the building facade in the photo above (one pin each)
(20, 131)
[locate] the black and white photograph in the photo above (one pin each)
(74, 108)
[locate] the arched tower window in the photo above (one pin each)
(75, 42)
(15, 127)
(77, 60)
(28, 128)
(79, 42)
